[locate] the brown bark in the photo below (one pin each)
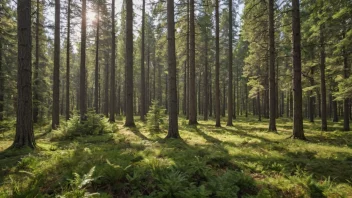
(106, 87)
(24, 124)
(324, 126)
(206, 95)
(217, 66)
(272, 86)
(129, 64)
(192, 69)
(36, 69)
(112, 71)
(56, 78)
(1, 84)
(297, 69)
(82, 84)
(68, 60)
(142, 103)
(229, 92)
(96, 77)
(173, 120)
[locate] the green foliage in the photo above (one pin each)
(154, 117)
(94, 125)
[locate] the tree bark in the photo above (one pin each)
(173, 120)
(206, 94)
(36, 69)
(229, 92)
(129, 64)
(1, 84)
(272, 86)
(297, 68)
(217, 66)
(56, 78)
(192, 69)
(324, 126)
(112, 71)
(96, 81)
(24, 124)
(142, 110)
(311, 98)
(68, 60)
(82, 87)
(346, 109)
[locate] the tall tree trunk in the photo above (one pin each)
(188, 63)
(96, 81)
(184, 106)
(229, 92)
(82, 87)
(272, 86)
(106, 86)
(206, 95)
(335, 115)
(142, 110)
(192, 69)
(258, 107)
(297, 68)
(311, 98)
(217, 66)
(36, 69)
(68, 60)
(324, 126)
(24, 124)
(210, 94)
(112, 71)
(1, 84)
(129, 64)
(173, 120)
(56, 78)
(346, 109)
(223, 100)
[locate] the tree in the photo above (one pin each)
(324, 126)
(172, 101)
(129, 64)
(297, 84)
(112, 71)
(192, 69)
(82, 84)
(143, 91)
(24, 124)
(56, 78)
(36, 68)
(217, 67)
(68, 60)
(96, 79)
(272, 122)
(229, 92)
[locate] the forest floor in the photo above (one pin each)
(244, 160)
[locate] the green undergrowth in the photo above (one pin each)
(99, 159)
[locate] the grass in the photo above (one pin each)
(244, 161)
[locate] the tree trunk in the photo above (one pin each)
(24, 124)
(205, 88)
(324, 126)
(192, 73)
(96, 81)
(258, 107)
(188, 64)
(217, 66)
(56, 78)
(173, 120)
(129, 64)
(36, 69)
(335, 115)
(229, 92)
(346, 73)
(68, 60)
(142, 110)
(82, 87)
(272, 86)
(184, 106)
(297, 68)
(1, 84)
(311, 98)
(112, 71)
(106, 87)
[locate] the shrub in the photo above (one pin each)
(94, 125)
(154, 117)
